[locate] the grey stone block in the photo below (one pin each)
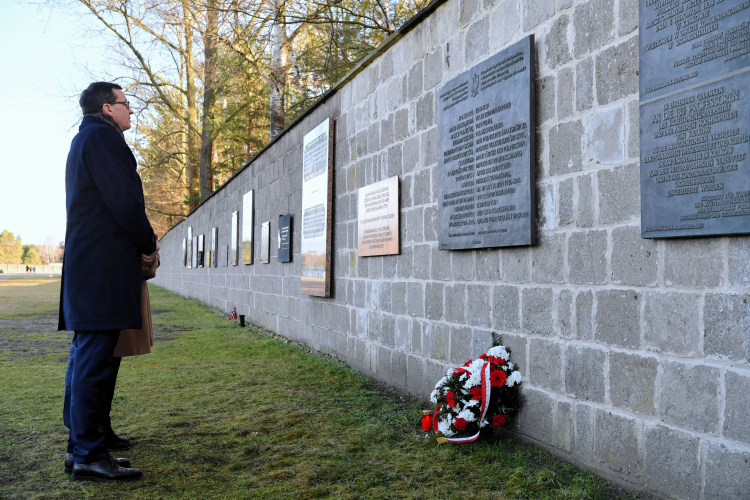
(462, 341)
(737, 410)
(619, 194)
(462, 265)
(416, 382)
(565, 89)
(482, 341)
(618, 318)
(564, 425)
(605, 131)
(415, 299)
(395, 161)
(671, 323)
(566, 202)
(739, 261)
(632, 382)
(476, 43)
(587, 259)
(404, 265)
(537, 311)
(422, 261)
(488, 265)
(584, 373)
(548, 259)
(690, 396)
(616, 443)
(516, 346)
(727, 326)
(535, 417)
(455, 303)
(415, 80)
(441, 264)
(478, 305)
(505, 23)
(617, 71)
(433, 68)
(515, 263)
(585, 212)
(429, 147)
(634, 260)
(726, 473)
(403, 334)
(426, 111)
(693, 262)
(594, 23)
(430, 224)
(469, 10)
(435, 341)
(634, 136)
(545, 364)
(627, 21)
(505, 315)
(535, 12)
(558, 50)
(545, 99)
(401, 124)
(585, 84)
(545, 207)
(671, 462)
(565, 148)
(411, 154)
(584, 430)
(434, 300)
(565, 313)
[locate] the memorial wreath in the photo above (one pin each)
(479, 396)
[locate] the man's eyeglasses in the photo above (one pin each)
(126, 103)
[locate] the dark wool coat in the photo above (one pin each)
(107, 231)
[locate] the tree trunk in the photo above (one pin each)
(279, 70)
(209, 99)
(192, 138)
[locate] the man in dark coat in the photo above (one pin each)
(108, 235)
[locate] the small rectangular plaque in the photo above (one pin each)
(247, 227)
(184, 252)
(377, 224)
(285, 238)
(317, 210)
(201, 251)
(195, 252)
(214, 242)
(265, 242)
(190, 247)
(234, 250)
(486, 153)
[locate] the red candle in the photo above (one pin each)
(426, 420)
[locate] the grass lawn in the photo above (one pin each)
(216, 411)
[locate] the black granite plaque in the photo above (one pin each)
(195, 252)
(184, 252)
(265, 242)
(285, 238)
(214, 243)
(486, 153)
(694, 130)
(201, 251)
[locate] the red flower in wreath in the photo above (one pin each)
(460, 424)
(483, 356)
(498, 420)
(476, 393)
(469, 362)
(498, 378)
(496, 361)
(450, 398)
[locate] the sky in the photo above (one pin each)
(44, 53)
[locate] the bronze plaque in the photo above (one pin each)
(317, 210)
(234, 250)
(265, 242)
(378, 218)
(247, 227)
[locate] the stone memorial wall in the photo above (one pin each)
(634, 344)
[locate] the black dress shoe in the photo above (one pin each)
(122, 462)
(116, 443)
(104, 470)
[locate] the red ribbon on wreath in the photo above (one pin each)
(485, 397)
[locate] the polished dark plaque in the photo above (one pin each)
(201, 251)
(285, 238)
(247, 227)
(214, 243)
(234, 249)
(694, 118)
(486, 153)
(190, 247)
(195, 252)
(687, 42)
(317, 210)
(184, 251)
(265, 242)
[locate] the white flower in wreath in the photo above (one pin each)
(434, 396)
(445, 428)
(471, 402)
(474, 380)
(442, 382)
(467, 415)
(476, 366)
(513, 379)
(499, 352)
(484, 422)
(511, 365)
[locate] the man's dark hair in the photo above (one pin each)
(97, 95)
